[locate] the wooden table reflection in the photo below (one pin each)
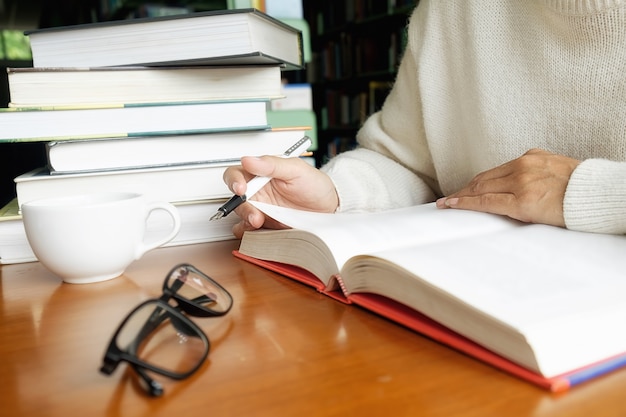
(283, 350)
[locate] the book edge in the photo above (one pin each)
(417, 322)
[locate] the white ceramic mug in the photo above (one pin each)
(92, 237)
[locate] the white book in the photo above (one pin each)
(14, 247)
(142, 152)
(31, 87)
(62, 123)
(171, 184)
(196, 227)
(242, 36)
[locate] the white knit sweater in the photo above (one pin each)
(482, 82)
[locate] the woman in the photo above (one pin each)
(504, 106)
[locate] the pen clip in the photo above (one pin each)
(298, 146)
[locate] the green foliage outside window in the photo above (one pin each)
(14, 46)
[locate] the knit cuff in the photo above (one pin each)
(368, 181)
(595, 198)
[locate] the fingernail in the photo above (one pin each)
(441, 202)
(451, 202)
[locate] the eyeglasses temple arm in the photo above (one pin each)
(153, 387)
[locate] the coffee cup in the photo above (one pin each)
(92, 237)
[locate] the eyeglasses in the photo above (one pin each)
(157, 337)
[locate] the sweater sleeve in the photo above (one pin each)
(595, 198)
(392, 166)
(368, 181)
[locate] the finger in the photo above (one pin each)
(496, 203)
(482, 185)
(272, 166)
(512, 166)
(251, 215)
(499, 171)
(495, 180)
(251, 219)
(244, 226)
(241, 227)
(235, 178)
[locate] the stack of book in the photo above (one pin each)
(160, 106)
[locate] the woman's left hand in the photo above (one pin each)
(530, 188)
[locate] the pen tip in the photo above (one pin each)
(217, 216)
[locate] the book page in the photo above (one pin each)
(350, 234)
(562, 290)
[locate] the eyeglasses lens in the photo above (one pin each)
(190, 283)
(162, 338)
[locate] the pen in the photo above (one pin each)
(256, 183)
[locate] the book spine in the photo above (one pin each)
(599, 369)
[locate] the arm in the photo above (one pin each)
(367, 180)
(541, 187)
(392, 167)
(373, 177)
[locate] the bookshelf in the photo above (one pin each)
(356, 47)
(129, 9)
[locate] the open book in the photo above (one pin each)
(541, 302)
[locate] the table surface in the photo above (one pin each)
(283, 350)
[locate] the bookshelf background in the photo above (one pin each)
(356, 47)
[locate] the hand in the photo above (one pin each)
(530, 188)
(294, 184)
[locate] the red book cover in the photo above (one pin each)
(420, 323)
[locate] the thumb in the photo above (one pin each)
(271, 166)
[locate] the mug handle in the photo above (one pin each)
(173, 212)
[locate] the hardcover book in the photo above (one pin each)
(35, 87)
(74, 156)
(195, 227)
(223, 37)
(14, 247)
(173, 184)
(64, 123)
(543, 303)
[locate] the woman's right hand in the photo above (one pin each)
(294, 184)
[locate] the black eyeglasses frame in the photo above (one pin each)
(114, 355)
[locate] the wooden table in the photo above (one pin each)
(283, 350)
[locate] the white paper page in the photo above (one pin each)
(349, 234)
(564, 290)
